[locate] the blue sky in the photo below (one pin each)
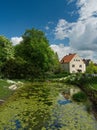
(70, 25)
(18, 15)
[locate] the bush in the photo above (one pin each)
(79, 97)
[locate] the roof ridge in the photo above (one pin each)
(67, 58)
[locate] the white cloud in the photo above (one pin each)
(64, 50)
(83, 33)
(16, 40)
(63, 29)
(61, 50)
(88, 8)
(70, 1)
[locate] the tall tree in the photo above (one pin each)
(35, 50)
(6, 49)
(6, 52)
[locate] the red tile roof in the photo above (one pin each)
(67, 58)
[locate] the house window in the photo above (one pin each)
(73, 65)
(73, 71)
(80, 66)
(77, 60)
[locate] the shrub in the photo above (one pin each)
(79, 97)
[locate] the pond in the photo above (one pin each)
(45, 106)
(69, 115)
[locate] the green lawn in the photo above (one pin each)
(5, 92)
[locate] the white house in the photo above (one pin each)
(73, 63)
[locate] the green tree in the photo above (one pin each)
(92, 68)
(6, 51)
(36, 52)
(14, 68)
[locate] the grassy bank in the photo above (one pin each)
(5, 92)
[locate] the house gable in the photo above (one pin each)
(73, 63)
(77, 65)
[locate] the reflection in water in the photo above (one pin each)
(63, 102)
(69, 115)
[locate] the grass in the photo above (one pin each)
(5, 92)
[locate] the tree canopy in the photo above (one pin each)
(32, 58)
(6, 49)
(36, 52)
(6, 52)
(91, 68)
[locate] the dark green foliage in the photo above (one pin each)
(56, 75)
(36, 52)
(6, 49)
(6, 52)
(30, 59)
(14, 68)
(87, 80)
(79, 97)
